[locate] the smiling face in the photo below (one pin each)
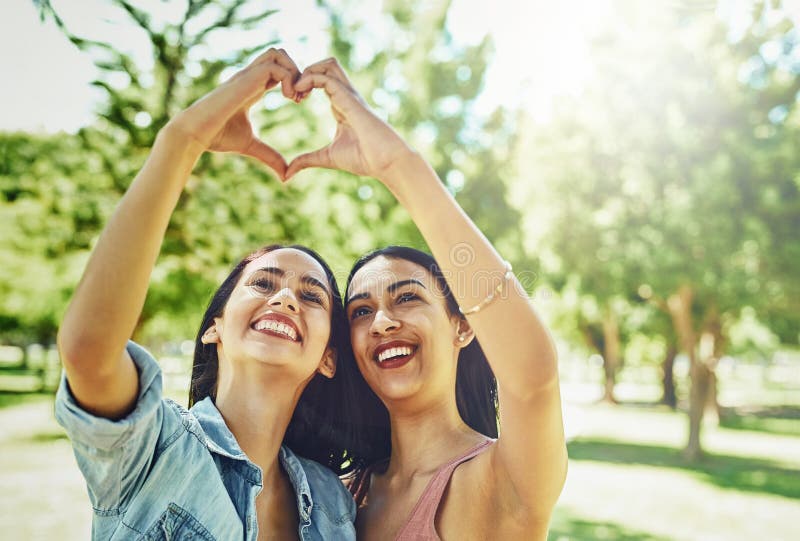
(402, 334)
(279, 313)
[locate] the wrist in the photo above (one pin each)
(178, 142)
(407, 174)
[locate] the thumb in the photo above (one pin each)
(317, 158)
(268, 155)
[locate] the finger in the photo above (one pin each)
(300, 96)
(317, 158)
(279, 56)
(272, 73)
(282, 58)
(262, 77)
(268, 54)
(333, 87)
(267, 155)
(331, 68)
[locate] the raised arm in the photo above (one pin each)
(530, 457)
(108, 300)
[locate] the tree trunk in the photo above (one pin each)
(680, 310)
(711, 351)
(712, 407)
(668, 396)
(611, 350)
(698, 397)
(704, 354)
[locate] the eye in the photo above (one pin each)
(262, 285)
(359, 312)
(406, 297)
(311, 296)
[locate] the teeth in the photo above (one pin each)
(276, 326)
(394, 352)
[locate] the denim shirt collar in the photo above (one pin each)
(220, 440)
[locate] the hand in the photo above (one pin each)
(363, 144)
(219, 121)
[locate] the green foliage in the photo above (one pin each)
(424, 84)
(53, 199)
(415, 75)
(669, 171)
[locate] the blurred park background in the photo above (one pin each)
(637, 162)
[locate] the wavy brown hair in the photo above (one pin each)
(476, 386)
(318, 429)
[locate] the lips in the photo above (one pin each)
(394, 354)
(275, 324)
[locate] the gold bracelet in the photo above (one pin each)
(493, 295)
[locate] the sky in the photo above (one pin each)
(46, 79)
(541, 51)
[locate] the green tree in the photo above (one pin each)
(233, 205)
(426, 84)
(52, 200)
(654, 181)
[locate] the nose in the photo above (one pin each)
(382, 324)
(284, 298)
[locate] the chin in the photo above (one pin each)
(393, 391)
(273, 354)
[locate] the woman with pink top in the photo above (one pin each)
(439, 468)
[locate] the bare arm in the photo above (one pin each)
(530, 458)
(530, 455)
(108, 300)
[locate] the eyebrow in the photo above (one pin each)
(304, 279)
(391, 289)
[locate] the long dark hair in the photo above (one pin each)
(315, 430)
(476, 386)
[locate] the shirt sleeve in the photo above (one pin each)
(115, 455)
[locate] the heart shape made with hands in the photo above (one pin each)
(329, 76)
(363, 144)
(329, 143)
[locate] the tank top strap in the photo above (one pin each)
(420, 524)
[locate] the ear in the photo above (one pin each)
(212, 334)
(327, 367)
(464, 333)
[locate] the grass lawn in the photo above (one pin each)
(627, 480)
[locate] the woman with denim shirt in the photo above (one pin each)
(265, 376)
(440, 470)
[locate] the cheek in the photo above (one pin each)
(357, 338)
(320, 328)
(359, 351)
(240, 307)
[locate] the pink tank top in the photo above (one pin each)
(420, 525)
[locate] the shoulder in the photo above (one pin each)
(479, 490)
(151, 414)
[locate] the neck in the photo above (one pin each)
(424, 439)
(257, 406)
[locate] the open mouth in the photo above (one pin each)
(277, 326)
(394, 354)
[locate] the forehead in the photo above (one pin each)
(381, 272)
(292, 262)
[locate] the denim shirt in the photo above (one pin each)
(163, 472)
